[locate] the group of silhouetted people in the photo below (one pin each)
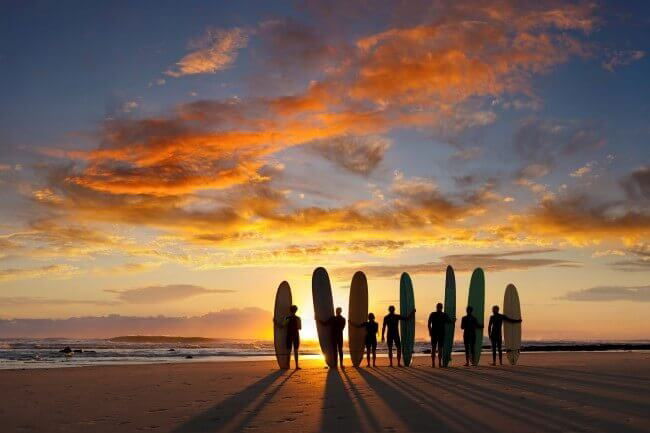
(390, 333)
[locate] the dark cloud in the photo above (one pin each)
(582, 218)
(161, 294)
(230, 323)
(610, 293)
(540, 143)
(637, 184)
(360, 155)
(496, 262)
(639, 261)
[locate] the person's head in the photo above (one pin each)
(469, 310)
(339, 310)
(371, 317)
(495, 309)
(439, 307)
(391, 309)
(293, 309)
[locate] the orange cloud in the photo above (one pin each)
(215, 51)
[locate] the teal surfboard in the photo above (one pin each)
(407, 327)
(476, 300)
(450, 309)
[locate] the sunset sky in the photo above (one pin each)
(183, 158)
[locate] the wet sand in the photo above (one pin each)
(549, 392)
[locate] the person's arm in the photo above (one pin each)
(343, 324)
(511, 320)
(299, 323)
(462, 323)
(356, 325)
(430, 323)
(411, 315)
(383, 330)
(490, 325)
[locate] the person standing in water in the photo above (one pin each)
(391, 321)
(293, 325)
(372, 328)
(436, 325)
(469, 325)
(336, 325)
(494, 332)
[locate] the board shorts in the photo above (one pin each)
(394, 339)
(371, 344)
(437, 340)
(293, 341)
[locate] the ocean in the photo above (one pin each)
(21, 353)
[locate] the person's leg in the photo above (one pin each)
(374, 354)
(367, 346)
(296, 346)
(500, 352)
(493, 343)
(398, 347)
(339, 343)
(433, 352)
(441, 342)
(472, 347)
(390, 351)
(468, 345)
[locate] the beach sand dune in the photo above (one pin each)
(548, 392)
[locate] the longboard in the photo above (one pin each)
(476, 300)
(280, 312)
(407, 327)
(321, 292)
(450, 309)
(512, 331)
(357, 313)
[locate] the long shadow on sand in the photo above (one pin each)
(551, 413)
(418, 410)
(338, 411)
(223, 417)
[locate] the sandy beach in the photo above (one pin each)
(559, 392)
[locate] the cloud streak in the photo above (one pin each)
(163, 293)
(215, 51)
(610, 293)
(491, 262)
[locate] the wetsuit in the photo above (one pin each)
(337, 324)
(469, 324)
(293, 332)
(371, 335)
(436, 325)
(391, 321)
(494, 332)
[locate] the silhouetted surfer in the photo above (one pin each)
(294, 325)
(436, 326)
(391, 321)
(372, 328)
(494, 332)
(469, 325)
(337, 325)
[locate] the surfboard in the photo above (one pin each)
(281, 310)
(357, 313)
(512, 331)
(450, 309)
(321, 292)
(476, 300)
(407, 327)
